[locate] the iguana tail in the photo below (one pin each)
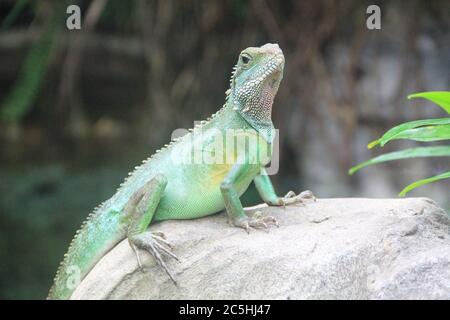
(101, 231)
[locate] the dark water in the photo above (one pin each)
(41, 208)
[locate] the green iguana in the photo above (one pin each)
(178, 183)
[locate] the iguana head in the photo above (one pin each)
(255, 81)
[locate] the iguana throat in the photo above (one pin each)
(254, 84)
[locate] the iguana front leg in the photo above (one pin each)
(233, 204)
(140, 210)
(267, 192)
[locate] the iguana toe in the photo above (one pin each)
(256, 221)
(292, 198)
(157, 246)
(161, 237)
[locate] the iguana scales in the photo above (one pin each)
(177, 183)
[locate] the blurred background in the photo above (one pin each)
(79, 109)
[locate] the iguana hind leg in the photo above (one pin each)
(140, 210)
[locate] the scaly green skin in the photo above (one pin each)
(165, 188)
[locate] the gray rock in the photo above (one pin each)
(329, 249)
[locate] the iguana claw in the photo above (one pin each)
(256, 221)
(291, 198)
(155, 244)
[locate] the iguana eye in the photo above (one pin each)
(245, 58)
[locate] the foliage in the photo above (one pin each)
(14, 13)
(419, 130)
(30, 79)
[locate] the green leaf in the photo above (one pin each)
(33, 71)
(392, 133)
(14, 13)
(408, 188)
(426, 134)
(441, 98)
(420, 152)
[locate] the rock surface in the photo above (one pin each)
(329, 249)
